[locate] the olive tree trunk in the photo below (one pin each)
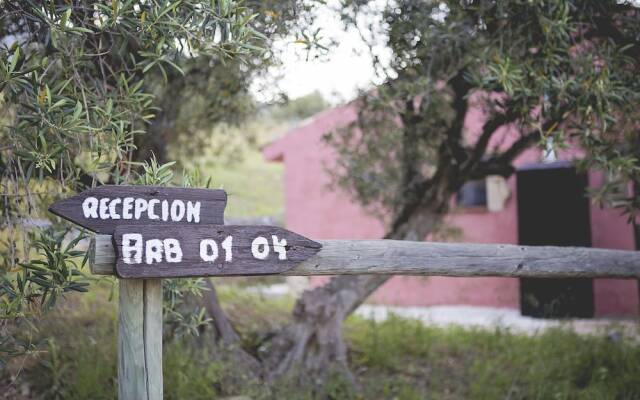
(313, 344)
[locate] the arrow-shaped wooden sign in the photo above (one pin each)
(103, 208)
(161, 232)
(144, 251)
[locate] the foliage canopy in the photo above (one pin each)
(562, 73)
(84, 86)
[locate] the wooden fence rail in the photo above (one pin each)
(140, 333)
(349, 257)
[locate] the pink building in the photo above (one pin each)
(316, 211)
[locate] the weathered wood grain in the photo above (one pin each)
(153, 337)
(443, 259)
(140, 340)
(283, 250)
(132, 374)
(211, 211)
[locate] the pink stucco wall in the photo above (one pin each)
(318, 211)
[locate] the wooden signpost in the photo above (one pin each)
(208, 250)
(147, 233)
(104, 208)
(161, 232)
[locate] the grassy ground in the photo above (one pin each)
(254, 186)
(396, 359)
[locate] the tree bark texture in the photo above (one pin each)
(314, 343)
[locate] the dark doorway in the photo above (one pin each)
(553, 210)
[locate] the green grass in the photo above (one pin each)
(456, 363)
(395, 359)
(254, 186)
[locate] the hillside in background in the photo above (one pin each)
(254, 186)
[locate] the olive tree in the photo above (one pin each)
(564, 73)
(212, 91)
(79, 82)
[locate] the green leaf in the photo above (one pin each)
(65, 18)
(175, 66)
(14, 61)
(58, 103)
(77, 111)
(41, 282)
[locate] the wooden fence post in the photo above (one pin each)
(140, 340)
(103, 209)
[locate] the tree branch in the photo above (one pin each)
(227, 333)
(221, 323)
(461, 89)
(501, 164)
(489, 128)
(417, 216)
(410, 121)
(519, 146)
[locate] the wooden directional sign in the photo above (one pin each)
(151, 251)
(103, 208)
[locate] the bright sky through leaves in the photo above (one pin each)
(338, 74)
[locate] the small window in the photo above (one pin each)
(472, 194)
